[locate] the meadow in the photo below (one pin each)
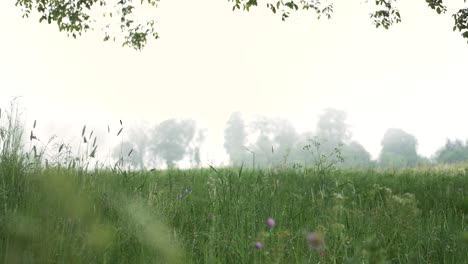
(71, 214)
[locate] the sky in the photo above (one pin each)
(211, 61)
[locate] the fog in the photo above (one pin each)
(211, 62)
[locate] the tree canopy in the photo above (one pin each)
(355, 156)
(171, 139)
(398, 149)
(76, 17)
(332, 128)
(168, 142)
(275, 142)
(452, 152)
(235, 138)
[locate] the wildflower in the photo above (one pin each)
(270, 222)
(259, 245)
(314, 240)
(187, 190)
(180, 196)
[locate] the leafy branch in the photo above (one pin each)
(75, 17)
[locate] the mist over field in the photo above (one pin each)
(256, 141)
(216, 132)
(248, 62)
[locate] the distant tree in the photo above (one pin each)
(332, 129)
(398, 149)
(126, 153)
(452, 152)
(196, 147)
(298, 155)
(263, 148)
(134, 149)
(355, 156)
(77, 17)
(139, 136)
(276, 138)
(424, 161)
(284, 136)
(324, 160)
(170, 140)
(235, 139)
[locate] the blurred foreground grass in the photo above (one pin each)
(203, 216)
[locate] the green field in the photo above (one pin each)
(66, 213)
(59, 215)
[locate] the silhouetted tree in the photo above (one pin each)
(276, 138)
(170, 140)
(128, 154)
(452, 152)
(134, 149)
(398, 149)
(195, 147)
(355, 156)
(332, 130)
(235, 139)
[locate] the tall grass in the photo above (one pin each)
(66, 214)
(12, 160)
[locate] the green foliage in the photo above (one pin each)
(77, 17)
(461, 22)
(387, 16)
(71, 17)
(13, 161)
(437, 5)
(285, 7)
(452, 152)
(355, 156)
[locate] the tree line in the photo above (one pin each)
(270, 142)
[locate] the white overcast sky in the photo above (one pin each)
(211, 61)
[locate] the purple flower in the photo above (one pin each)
(180, 196)
(315, 240)
(270, 222)
(259, 245)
